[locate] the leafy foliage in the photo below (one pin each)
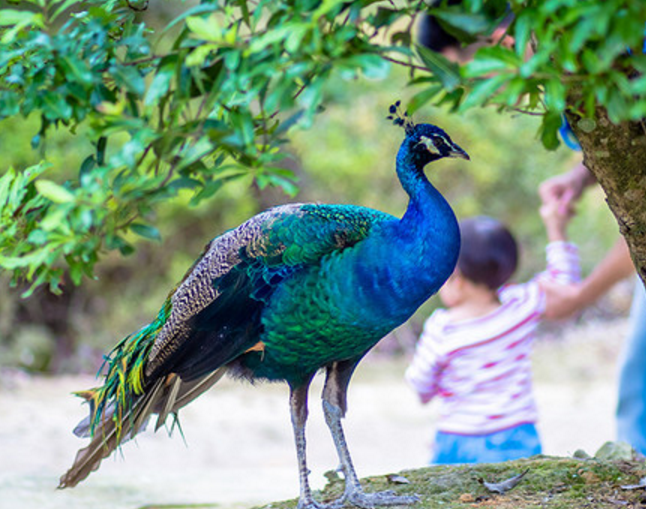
(553, 54)
(209, 97)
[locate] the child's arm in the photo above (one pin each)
(555, 218)
(424, 371)
(563, 265)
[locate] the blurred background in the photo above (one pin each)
(51, 345)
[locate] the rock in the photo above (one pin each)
(615, 451)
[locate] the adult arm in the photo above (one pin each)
(566, 300)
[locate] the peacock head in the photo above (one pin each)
(425, 142)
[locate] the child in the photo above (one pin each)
(475, 355)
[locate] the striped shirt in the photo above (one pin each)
(480, 369)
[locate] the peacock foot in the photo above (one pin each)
(310, 503)
(364, 500)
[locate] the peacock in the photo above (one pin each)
(293, 290)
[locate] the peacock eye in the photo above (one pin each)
(440, 144)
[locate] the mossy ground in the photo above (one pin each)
(550, 483)
(555, 483)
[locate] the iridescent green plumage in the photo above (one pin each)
(124, 379)
(293, 290)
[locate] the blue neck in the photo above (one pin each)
(403, 262)
(427, 209)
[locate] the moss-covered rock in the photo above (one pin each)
(557, 483)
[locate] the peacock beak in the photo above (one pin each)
(459, 153)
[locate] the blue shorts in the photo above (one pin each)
(512, 443)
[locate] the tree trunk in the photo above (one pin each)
(616, 155)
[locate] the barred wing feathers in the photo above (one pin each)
(218, 304)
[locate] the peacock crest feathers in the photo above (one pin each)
(400, 118)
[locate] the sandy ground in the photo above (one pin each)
(239, 450)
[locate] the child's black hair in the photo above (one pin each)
(489, 253)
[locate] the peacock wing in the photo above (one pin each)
(215, 311)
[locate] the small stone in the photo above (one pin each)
(615, 451)
(397, 479)
(466, 498)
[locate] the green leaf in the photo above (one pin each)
(492, 59)
(86, 170)
(385, 17)
(207, 29)
(482, 91)
(513, 91)
(193, 11)
(423, 97)
(55, 106)
(146, 231)
(555, 95)
(66, 4)
(522, 30)
(374, 66)
(549, 130)
(75, 270)
(244, 10)
(129, 78)
(618, 107)
(447, 72)
(79, 69)
(6, 182)
(18, 20)
(53, 191)
(161, 82)
(327, 7)
(294, 39)
(286, 124)
(11, 17)
(469, 23)
(56, 219)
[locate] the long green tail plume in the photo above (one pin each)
(124, 379)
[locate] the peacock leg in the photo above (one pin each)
(334, 408)
(298, 409)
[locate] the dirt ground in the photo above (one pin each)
(239, 450)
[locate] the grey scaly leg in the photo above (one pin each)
(334, 408)
(298, 409)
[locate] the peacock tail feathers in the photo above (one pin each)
(124, 379)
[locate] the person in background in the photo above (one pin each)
(474, 356)
(563, 191)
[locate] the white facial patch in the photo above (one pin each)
(429, 144)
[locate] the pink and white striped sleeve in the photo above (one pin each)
(423, 374)
(563, 265)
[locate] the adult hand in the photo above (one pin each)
(561, 300)
(566, 188)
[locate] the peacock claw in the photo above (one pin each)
(313, 504)
(382, 498)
